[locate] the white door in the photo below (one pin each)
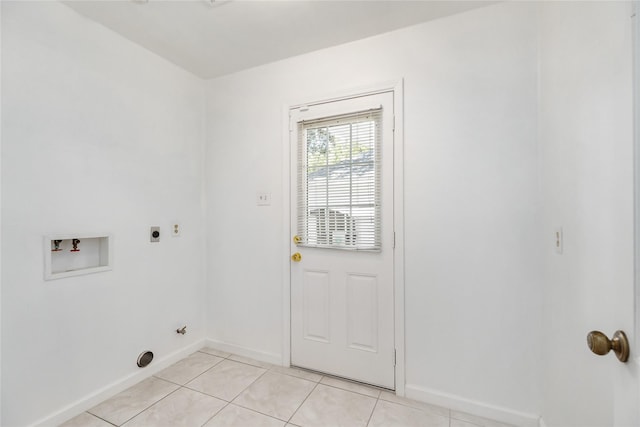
(626, 380)
(342, 305)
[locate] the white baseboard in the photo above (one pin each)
(273, 358)
(116, 387)
(473, 407)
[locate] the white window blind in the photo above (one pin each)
(339, 181)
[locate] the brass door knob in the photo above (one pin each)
(297, 239)
(296, 257)
(601, 345)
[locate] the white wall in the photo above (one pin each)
(99, 135)
(471, 191)
(586, 146)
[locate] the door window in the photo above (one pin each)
(339, 181)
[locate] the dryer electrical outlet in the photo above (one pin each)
(154, 234)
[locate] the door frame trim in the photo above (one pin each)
(397, 88)
(635, 43)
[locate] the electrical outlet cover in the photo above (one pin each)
(263, 199)
(154, 234)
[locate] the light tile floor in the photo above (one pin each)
(215, 389)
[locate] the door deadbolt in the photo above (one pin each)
(296, 257)
(601, 345)
(297, 239)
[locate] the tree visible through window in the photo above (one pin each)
(339, 181)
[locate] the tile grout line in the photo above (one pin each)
(284, 368)
(218, 412)
(358, 383)
(247, 387)
(350, 391)
(303, 402)
(257, 412)
(100, 418)
(374, 410)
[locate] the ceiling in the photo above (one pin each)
(211, 39)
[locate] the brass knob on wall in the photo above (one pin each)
(601, 345)
(296, 257)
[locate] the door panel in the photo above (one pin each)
(362, 312)
(316, 305)
(342, 318)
